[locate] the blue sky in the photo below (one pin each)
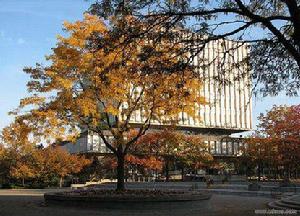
(28, 30)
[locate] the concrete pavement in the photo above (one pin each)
(31, 203)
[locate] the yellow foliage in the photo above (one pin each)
(97, 81)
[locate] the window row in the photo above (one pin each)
(225, 147)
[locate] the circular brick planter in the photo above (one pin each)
(107, 198)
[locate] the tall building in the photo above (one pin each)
(227, 88)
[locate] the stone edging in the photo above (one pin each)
(181, 197)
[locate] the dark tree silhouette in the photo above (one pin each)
(271, 28)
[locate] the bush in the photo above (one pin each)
(36, 185)
(6, 186)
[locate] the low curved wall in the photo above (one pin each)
(102, 198)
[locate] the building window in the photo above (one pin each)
(235, 148)
(229, 148)
(212, 147)
(95, 143)
(218, 147)
(90, 137)
(224, 147)
(241, 147)
(207, 147)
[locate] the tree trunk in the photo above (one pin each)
(60, 182)
(121, 172)
(167, 170)
(23, 182)
(259, 172)
(182, 173)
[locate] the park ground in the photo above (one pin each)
(30, 202)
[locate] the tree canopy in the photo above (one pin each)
(270, 28)
(24, 160)
(93, 82)
(161, 147)
(276, 142)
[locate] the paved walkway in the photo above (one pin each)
(30, 203)
(223, 189)
(296, 198)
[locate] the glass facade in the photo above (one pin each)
(212, 147)
(218, 147)
(226, 148)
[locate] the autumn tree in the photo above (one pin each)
(259, 153)
(22, 171)
(193, 153)
(95, 171)
(136, 161)
(5, 163)
(93, 82)
(21, 159)
(277, 140)
(270, 28)
(54, 161)
(189, 151)
(15, 153)
(281, 125)
(144, 164)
